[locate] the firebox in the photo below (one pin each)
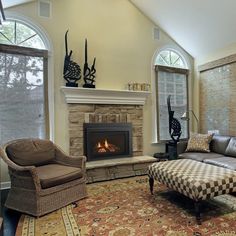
(107, 140)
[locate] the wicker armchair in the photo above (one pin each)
(43, 177)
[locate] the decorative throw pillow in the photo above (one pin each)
(199, 143)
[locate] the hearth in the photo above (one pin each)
(107, 140)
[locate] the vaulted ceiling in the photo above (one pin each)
(199, 26)
(10, 3)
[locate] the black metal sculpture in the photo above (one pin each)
(72, 71)
(174, 124)
(89, 74)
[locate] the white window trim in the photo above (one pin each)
(10, 15)
(180, 52)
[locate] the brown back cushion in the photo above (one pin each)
(219, 143)
(31, 152)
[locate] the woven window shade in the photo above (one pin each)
(22, 100)
(218, 99)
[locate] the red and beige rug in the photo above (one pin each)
(126, 208)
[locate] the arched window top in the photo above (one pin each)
(170, 57)
(14, 32)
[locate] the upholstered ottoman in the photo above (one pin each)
(196, 180)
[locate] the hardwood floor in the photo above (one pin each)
(10, 217)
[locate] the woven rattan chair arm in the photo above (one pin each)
(27, 172)
(27, 178)
(20, 168)
(62, 158)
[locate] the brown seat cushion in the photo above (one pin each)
(227, 162)
(54, 174)
(27, 152)
(199, 156)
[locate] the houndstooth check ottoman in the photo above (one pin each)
(196, 180)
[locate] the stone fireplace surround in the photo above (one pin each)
(99, 113)
(107, 106)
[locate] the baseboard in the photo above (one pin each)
(5, 185)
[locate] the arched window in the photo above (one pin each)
(17, 33)
(23, 83)
(169, 57)
(171, 79)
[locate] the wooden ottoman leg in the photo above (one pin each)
(151, 183)
(197, 212)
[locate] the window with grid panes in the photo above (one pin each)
(171, 79)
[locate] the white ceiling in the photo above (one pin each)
(199, 26)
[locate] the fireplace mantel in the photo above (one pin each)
(104, 96)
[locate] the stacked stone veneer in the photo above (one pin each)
(96, 113)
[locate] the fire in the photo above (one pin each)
(105, 146)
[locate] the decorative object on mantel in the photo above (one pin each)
(134, 86)
(2, 15)
(174, 124)
(72, 71)
(89, 74)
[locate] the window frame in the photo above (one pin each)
(19, 50)
(169, 70)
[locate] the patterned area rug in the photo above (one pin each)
(126, 208)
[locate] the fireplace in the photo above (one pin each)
(107, 140)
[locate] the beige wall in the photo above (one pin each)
(120, 37)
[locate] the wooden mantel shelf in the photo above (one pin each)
(104, 96)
